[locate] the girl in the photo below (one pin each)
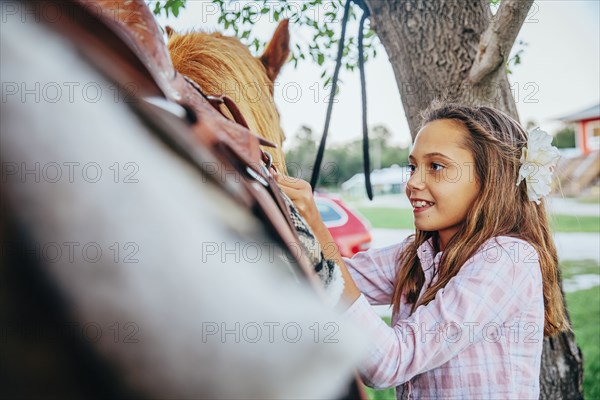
(475, 289)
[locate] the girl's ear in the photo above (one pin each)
(278, 50)
(170, 31)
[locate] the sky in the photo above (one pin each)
(559, 73)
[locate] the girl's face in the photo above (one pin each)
(442, 187)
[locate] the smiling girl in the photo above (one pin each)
(475, 290)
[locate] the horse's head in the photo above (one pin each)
(223, 65)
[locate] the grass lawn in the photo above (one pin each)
(570, 268)
(584, 309)
(574, 223)
(393, 218)
(387, 394)
(591, 199)
(402, 218)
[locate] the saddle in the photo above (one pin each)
(123, 40)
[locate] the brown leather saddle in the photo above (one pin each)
(122, 39)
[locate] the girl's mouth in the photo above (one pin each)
(421, 205)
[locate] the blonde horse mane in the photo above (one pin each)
(223, 65)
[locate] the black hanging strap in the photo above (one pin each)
(361, 62)
(363, 90)
(338, 63)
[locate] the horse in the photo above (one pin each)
(221, 64)
(154, 309)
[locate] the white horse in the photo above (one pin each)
(170, 287)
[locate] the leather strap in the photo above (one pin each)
(361, 64)
(321, 151)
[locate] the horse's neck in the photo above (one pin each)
(135, 24)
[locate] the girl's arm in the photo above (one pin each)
(373, 272)
(300, 193)
(495, 297)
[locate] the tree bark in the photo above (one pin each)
(457, 51)
(433, 46)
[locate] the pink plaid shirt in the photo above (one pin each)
(480, 338)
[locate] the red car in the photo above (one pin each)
(350, 230)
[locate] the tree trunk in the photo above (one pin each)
(432, 47)
(457, 51)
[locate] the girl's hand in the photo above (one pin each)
(300, 192)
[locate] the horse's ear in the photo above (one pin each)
(170, 31)
(278, 50)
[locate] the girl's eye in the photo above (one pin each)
(436, 166)
(411, 168)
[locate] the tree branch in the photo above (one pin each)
(498, 38)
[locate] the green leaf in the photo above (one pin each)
(318, 46)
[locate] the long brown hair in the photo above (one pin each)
(501, 209)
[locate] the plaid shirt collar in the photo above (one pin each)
(428, 258)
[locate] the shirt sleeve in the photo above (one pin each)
(491, 288)
(374, 272)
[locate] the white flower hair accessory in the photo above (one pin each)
(538, 160)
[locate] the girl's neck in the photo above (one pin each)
(445, 236)
(437, 245)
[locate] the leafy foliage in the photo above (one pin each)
(565, 138)
(516, 58)
(323, 17)
(168, 6)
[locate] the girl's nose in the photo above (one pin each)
(416, 182)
